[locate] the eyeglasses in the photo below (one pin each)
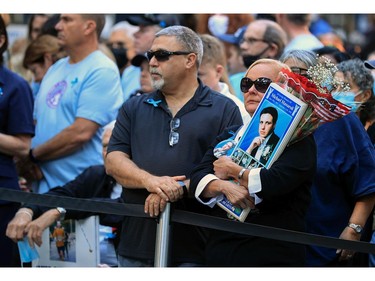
(163, 55)
(299, 70)
(251, 40)
(173, 135)
(261, 84)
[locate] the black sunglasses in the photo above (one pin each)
(261, 84)
(163, 55)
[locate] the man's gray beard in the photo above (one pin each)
(158, 85)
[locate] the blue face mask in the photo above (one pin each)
(348, 98)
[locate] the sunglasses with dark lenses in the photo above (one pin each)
(163, 55)
(173, 135)
(261, 84)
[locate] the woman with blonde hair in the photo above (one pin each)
(283, 190)
(39, 56)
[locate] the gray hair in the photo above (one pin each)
(190, 40)
(308, 58)
(356, 70)
(275, 34)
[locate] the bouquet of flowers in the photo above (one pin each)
(316, 92)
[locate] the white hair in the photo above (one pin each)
(124, 25)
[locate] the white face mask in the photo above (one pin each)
(218, 24)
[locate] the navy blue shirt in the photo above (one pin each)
(16, 117)
(142, 131)
(345, 172)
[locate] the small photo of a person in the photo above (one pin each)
(223, 148)
(262, 146)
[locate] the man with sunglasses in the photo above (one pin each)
(280, 194)
(158, 139)
(263, 38)
(148, 25)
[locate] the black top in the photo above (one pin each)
(91, 183)
(142, 131)
(286, 196)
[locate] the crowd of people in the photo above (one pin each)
(138, 118)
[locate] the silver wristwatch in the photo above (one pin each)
(357, 228)
(62, 212)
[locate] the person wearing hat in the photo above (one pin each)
(149, 25)
(145, 80)
(121, 44)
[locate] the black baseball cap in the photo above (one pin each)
(138, 59)
(163, 20)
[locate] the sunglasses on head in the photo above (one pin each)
(261, 84)
(163, 55)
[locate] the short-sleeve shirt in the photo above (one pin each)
(89, 89)
(345, 172)
(16, 107)
(142, 131)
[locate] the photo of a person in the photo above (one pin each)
(59, 236)
(262, 146)
(224, 148)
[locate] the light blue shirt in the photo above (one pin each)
(89, 89)
(235, 81)
(304, 42)
(130, 80)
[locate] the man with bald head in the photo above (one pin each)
(262, 39)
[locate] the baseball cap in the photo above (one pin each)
(370, 64)
(138, 59)
(163, 20)
(233, 38)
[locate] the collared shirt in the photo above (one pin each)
(16, 107)
(142, 131)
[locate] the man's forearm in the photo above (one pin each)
(67, 141)
(125, 171)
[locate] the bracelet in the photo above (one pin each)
(25, 212)
(240, 174)
(184, 188)
(31, 156)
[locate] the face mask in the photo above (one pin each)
(347, 98)
(120, 56)
(250, 59)
(218, 24)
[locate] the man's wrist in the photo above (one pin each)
(184, 188)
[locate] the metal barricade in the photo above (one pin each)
(162, 238)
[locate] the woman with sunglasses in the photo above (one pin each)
(281, 193)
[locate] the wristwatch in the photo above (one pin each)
(62, 212)
(357, 228)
